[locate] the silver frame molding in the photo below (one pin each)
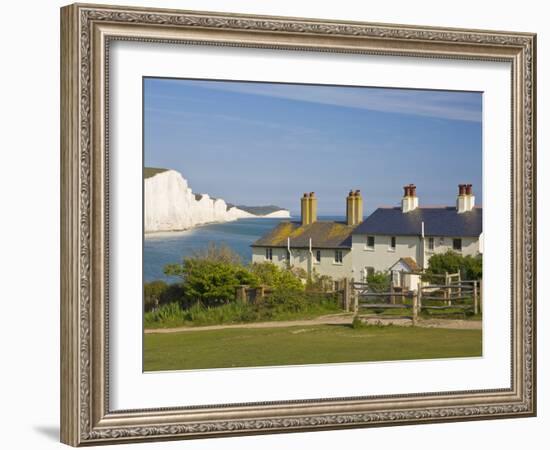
(86, 32)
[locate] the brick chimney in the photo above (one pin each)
(309, 208)
(465, 200)
(409, 202)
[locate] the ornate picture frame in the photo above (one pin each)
(87, 32)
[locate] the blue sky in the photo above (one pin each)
(267, 143)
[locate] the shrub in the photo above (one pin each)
(322, 283)
(173, 294)
(470, 267)
(210, 282)
(269, 274)
(379, 282)
(152, 293)
(286, 299)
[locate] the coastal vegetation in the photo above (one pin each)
(207, 292)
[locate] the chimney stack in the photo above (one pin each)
(409, 201)
(309, 208)
(466, 200)
(312, 207)
(354, 207)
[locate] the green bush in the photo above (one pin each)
(379, 282)
(210, 281)
(152, 293)
(286, 299)
(470, 267)
(320, 283)
(157, 293)
(270, 275)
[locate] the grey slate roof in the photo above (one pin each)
(323, 234)
(442, 221)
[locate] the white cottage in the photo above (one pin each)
(417, 233)
(316, 246)
(395, 239)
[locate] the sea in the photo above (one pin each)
(160, 249)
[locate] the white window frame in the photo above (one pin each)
(338, 257)
(390, 248)
(317, 259)
(268, 254)
(431, 244)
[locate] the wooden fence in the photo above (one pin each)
(256, 295)
(453, 294)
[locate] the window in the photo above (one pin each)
(318, 256)
(457, 244)
(287, 255)
(269, 254)
(431, 243)
(393, 243)
(370, 242)
(338, 256)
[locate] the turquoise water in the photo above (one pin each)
(160, 249)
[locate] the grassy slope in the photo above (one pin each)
(304, 345)
(149, 172)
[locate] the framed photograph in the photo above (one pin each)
(276, 224)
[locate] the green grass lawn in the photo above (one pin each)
(304, 345)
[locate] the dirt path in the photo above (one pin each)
(332, 319)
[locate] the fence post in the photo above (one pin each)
(475, 298)
(481, 296)
(260, 293)
(415, 308)
(448, 289)
(241, 294)
(346, 295)
(419, 290)
(355, 298)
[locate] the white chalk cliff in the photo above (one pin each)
(171, 205)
